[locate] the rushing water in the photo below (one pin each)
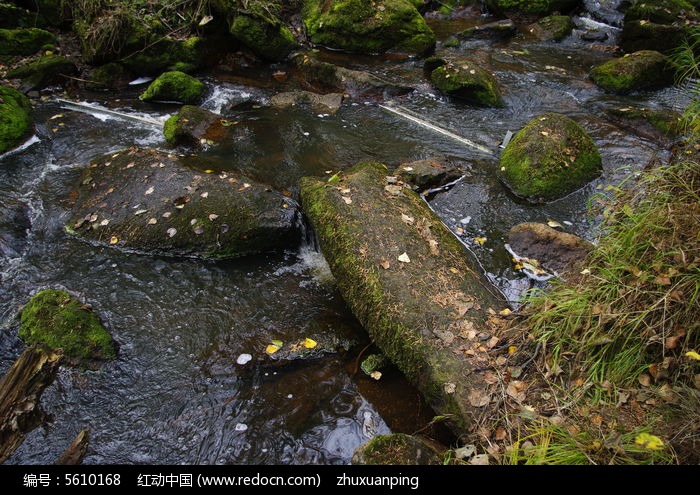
(175, 394)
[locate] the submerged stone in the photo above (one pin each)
(328, 103)
(368, 27)
(43, 72)
(468, 82)
(58, 321)
(148, 201)
(548, 158)
(270, 40)
(15, 118)
(646, 69)
(396, 449)
(409, 281)
(174, 86)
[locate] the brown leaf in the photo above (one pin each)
(434, 247)
(385, 264)
(500, 434)
(644, 380)
(479, 398)
(490, 377)
(516, 390)
(672, 342)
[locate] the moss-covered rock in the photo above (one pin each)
(396, 449)
(636, 71)
(170, 55)
(534, 7)
(548, 158)
(372, 363)
(368, 27)
(269, 40)
(552, 28)
(424, 174)
(409, 281)
(661, 11)
(328, 103)
(149, 201)
(109, 76)
(174, 86)
(23, 41)
(15, 118)
(57, 320)
(468, 82)
(43, 72)
(643, 35)
(667, 122)
(191, 125)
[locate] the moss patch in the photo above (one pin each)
(667, 122)
(643, 35)
(553, 27)
(15, 118)
(661, 11)
(57, 320)
(548, 158)
(190, 125)
(368, 27)
(43, 72)
(174, 86)
(646, 69)
(468, 82)
(271, 41)
(23, 41)
(396, 449)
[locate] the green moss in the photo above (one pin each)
(536, 7)
(468, 82)
(108, 76)
(23, 41)
(646, 69)
(271, 41)
(43, 72)
(58, 320)
(661, 11)
(15, 118)
(174, 86)
(643, 35)
(668, 122)
(395, 449)
(364, 27)
(549, 158)
(169, 129)
(554, 27)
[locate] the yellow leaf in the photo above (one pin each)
(553, 224)
(272, 348)
(693, 355)
(648, 441)
(208, 171)
(114, 239)
(512, 349)
(310, 343)
(376, 375)
(505, 312)
(480, 240)
(403, 258)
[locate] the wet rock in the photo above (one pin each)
(548, 158)
(324, 77)
(593, 35)
(552, 28)
(15, 118)
(468, 82)
(662, 25)
(539, 8)
(368, 27)
(328, 103)
(23, 41)
(109, 76)
(661, 11)
(167, 54)
(380, 239)
(148, 201)
(432, 63)
(668, 123)
(192, 126)
(557, 252)
(14, 224)
(396, 449)
(174, 86)
(57, 320)
(372, 363)
(636, 71)
(605, 11)
(425, 174)
(269, 40)
(43, 72)
(501, 29)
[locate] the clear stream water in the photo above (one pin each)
(175, 394)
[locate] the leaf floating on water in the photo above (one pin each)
(376, 375)
(348, 201)
(310, 343)
(167, 214)
(149, 190)
(104, 222)
(243, 359)
(693, 355)
(649, 441)
(554, 224)
(152, 221)
(140, 212)
(114, 239)
(171, 231)
(480, 240)
(181, 201)
(213, 217)
(278, 343)
(272, 348)
(403, 258)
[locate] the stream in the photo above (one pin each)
(175, 394)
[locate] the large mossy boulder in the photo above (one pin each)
(15, 118)
(174, 86)
(468, 82)
(660, 25)
(661, 11)
(410, 283)
(148, 201)
(270, 40)
(23, 41)
(531, 7)
(646, 69)
(552, 28)
(43, 72)
(58, 321)
(368, 27)
(396, 449)
(548, 158)
(192, 125)
(167, 54)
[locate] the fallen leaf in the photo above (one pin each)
(385, 264)
(480, 240)
(93, 218)
(403, 258)
(171, 231)
(500, 434)
(408, 169)
(347, 200)
(152, 221)
(544, 133)
(477, 398)
(554, 224)
(333, 179)
(167, 214)
(454, 270)
(208, 171)
(181, 201)
(199, 230)
(648, 441)
(104, 222)
(272, 348)
(204, 195)
(490, 377)
(376, 374)
(213, 217)
(149, 190)
(505, 312)
(512, 349)
(244, 187)
(693, 355)
(243, 359)
(465, 452)
(114, 239)
(480, 460)
(140, 212)
(278, 343)
(644, 380)
(310, 343)
(407, 219)
(515, 389)
(449, 388)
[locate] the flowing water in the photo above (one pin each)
(175, 394)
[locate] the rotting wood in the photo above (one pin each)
(75, 452)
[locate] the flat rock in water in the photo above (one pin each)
(328, 103)
(146, 200)
(410, 283)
